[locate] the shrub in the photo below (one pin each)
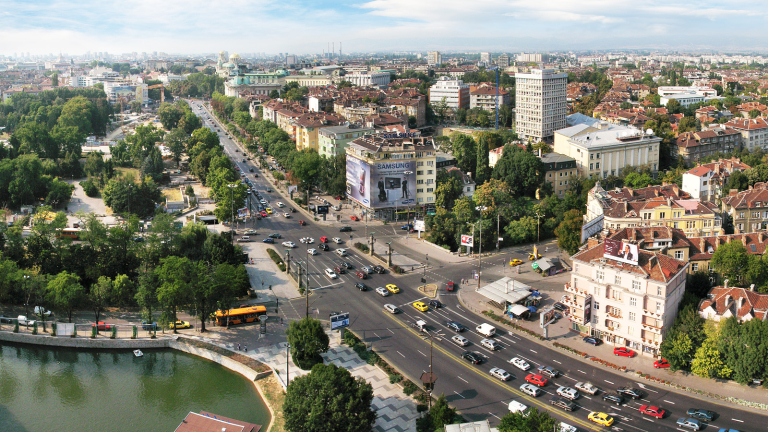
(420, 408)
(89, 187)
(409, 387)
(276, 258)
(362, 247)
(395, 378)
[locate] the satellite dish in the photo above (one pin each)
(649, 132)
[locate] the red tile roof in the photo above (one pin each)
(655, 265)
(733, 301)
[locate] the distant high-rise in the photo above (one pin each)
(540, 104)
(485, 57)
(434, 58)
(503, 60)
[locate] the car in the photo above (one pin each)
(40, 311)
(519, 363)
(500, 374)
(565, 427)
(292, 210)
(661, 363)
(250, 232)
(435, 304)
(515, 262)
(340, 270)
(600, 418)
(379, 269)
(244, 239)
(630, 392)
(302, 223)
(382, 292)
(337, 240)
(361, 275)
(250, 169)
(341, 252)
(490, 344)
(592, 340)
(587, 387)
(324, 239)
(532, 257)
(518, 408)
(536, 379)
(393, 288)
(275, 235)
(449, 286)
(613, 398)
(269, 210)
(354, 218)
(179, 325)
(652, 411)
(338, 197)
(624, 352)
(280, 204)
(149, 326)
(269, 190)
(688, 423)
(420, 306)
(361, 286)
(391, 308)
(101, 325)
(530, 390)
(307, 240)
(407, 227)
(345, 264)
(330, 273)
(255, 176)
(559, 306)
(345, 229)
(286, 215)
(268, 240)
(567, 393)
(312, 251)
(453, 325)
(289, 244)
(460, 340)
(701, 414)
(472, 357)
(548, 371)
(263, 213)
(562, 403)
(367, 269)
(323, 246)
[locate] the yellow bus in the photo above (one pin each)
(240, 315)
(73, 233)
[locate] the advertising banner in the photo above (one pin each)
(383, 184)
(588, 310)
(243, 212)
(340, 320)
(467, 240)
(418, 225)
(293, 188)
(620, 251)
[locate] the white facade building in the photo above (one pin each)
(455, 92)
(434, 58)
(366, 79)
(541, 104)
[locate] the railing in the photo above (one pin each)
(614, 314)
(60, 329)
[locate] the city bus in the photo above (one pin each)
(240, 315)
(73, 233)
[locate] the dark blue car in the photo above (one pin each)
(592, 341)
(268, 240)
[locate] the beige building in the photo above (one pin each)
(540, 106)
(310, 80)
(748, 209)
(627, 305)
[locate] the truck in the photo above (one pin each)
(486, 330)
(422, 326)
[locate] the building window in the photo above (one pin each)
(420, 190)
(599, 275)
(420, 172)
(679, 255)
(636, 285)
(658, 307)
(631, 316)
(591, 166)
(429, 172)
(617, 280)
(430, 198)
(418, 164)
(630, 330)
(695, 267)
(429, 190)
(633, 301)
(616, 295)
(658, 290)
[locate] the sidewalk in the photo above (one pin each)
(560, 333)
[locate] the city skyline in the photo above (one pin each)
(303, 27)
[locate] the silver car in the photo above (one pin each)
(500, 374)
(568, 393)
(460, 340)
(530, 390)
(382, 291)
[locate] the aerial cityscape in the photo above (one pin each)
(514, 218)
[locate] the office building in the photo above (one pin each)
(454, 91)
(434, 58)
(541, 104)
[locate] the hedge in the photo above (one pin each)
(276, 258)
(362, 247)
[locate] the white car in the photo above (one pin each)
(336, 240)
(330, 273)
(460, 340)
(382, 291)
(341, 252)
(587, 388)
(367, 269)
(565, 427)
(517, 407)
(568, 393)
(520, 363)
(311, 251)
(244, 239)
(281, 205)
(307, 240)
(500, 374)
(286, 214)
(530, 390)
(391, 308)
(490, 344)
(40, 311)
(289, 244)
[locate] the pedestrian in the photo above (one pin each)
(246, 348)
(281, 320)
(238, 347)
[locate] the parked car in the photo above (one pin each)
(149, 326)
(180, 325)
(268, 240)
(592, 340)
(559, 306)
(101, 325)
(23, 321)
(624, 352)
(661, 363)
(40, 311)
(354, 218)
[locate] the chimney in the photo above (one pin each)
(744, 240)
(592, 242)
(752, 287)
(725, 283)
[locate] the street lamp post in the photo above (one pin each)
(480, 249)
(287, 365)
(408, 211)
(232, 187)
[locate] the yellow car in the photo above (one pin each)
(600, 418)
(420, 306)
(179, 325)
(515, 262)
(393, 288)
(269, 210)
(533, 257)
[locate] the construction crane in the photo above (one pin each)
(161, 86)
(496, 68)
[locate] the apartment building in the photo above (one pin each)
(754, 132)
(434, 58)
(453, 91)
(308, 125)
(604, 149)
(484, 97)
(558, 171)
(365, 79)
(723, 302)
(748, 209)
(706, 181)
(625, 302)
(333, 140)
(693, 146)
(541, 104)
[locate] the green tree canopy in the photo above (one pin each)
(308, 340)
(520, 170)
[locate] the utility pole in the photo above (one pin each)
(287, 363)
(498, 233)
(481, 209)
(288, 261)
(538, 222)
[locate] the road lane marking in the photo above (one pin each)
(647, 419)
(579, 370)
(495, 415)
(557, 362)
(420, 353)
(669, 402)
(374, 333)
(737, 420)
(609, 382)
(462, 379)
(390, 330)
(532, 351)
(459, 394)
(585, 396)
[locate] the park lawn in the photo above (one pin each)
(172, 194)
(129, 171)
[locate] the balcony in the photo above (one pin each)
(614, 313)
(570, 289)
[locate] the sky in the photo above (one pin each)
(308, 26)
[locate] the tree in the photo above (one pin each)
(483, 170)
(698, 284)
(684, 338)
(175, 275)
(99, 296)
(674, 107)
(177, 141)
(441, 413)
(687, 124)
(440, 109)
(731, 261)
(520, 170)
(55, 80)
(532, 420)
(754, 113)
(738, 181)
(569, 231)
(465, 152)
(65, 293)
(210, 291)
(307, 339)
(329, 399)
(449, 189)
(708, 361)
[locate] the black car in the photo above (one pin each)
(293, 210)
(379, 269)
(472, 357)
(701, 414)
(435, 304)
(250, 169)
(275, 235)
(559, 306)
(563, 403)
(345, 229)
(361, 286)
(630, 392)
(323, 246)
(592, 340)
(453, 325)
(613, 398)
(346, 265)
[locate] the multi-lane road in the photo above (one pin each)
(468, 387)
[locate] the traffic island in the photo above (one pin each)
(430, 290)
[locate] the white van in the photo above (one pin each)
(486, 330)
(517, 407)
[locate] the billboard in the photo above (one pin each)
(620, 251)
(382, 184)
(591, 228)
(321, 209)
(418, 225)
(243, 212)
(467, 240)
(339, 320)
(588, 310)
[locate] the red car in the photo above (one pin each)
(624, 352)
(324, 239)
(263, 213)
(661, 364)
(339, 197)
(536, 379)
(652, 411)
(354, 218)
(361, 275)
(449, 287)
(102, 326)
(302, 223)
